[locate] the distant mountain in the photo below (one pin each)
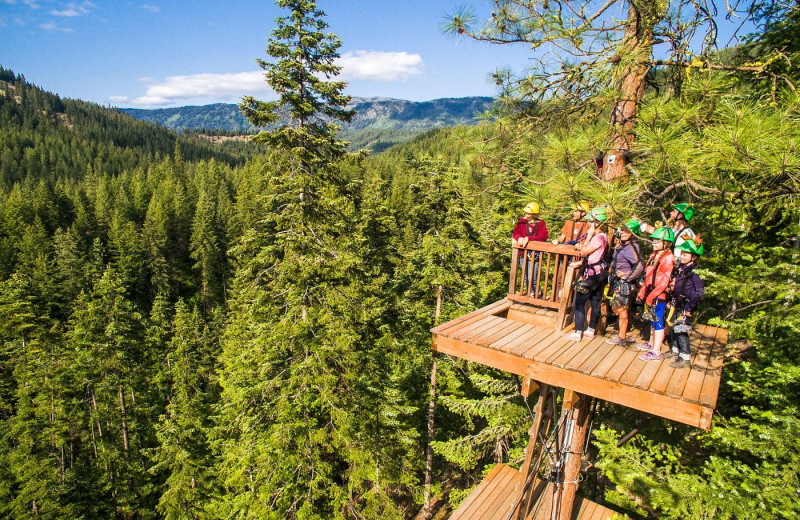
(378, 124)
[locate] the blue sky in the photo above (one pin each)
(151, 53)
(154, 53)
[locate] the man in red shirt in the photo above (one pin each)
(529, 228)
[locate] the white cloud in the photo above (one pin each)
(151, 8)
(380, 66)
(357, 65)
(74, 10)
(51, 26)
(212, 87)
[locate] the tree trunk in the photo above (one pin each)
(431, 409)
(636, 52)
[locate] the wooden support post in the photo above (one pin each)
(565, 304)
(529, 386)
(577, 409)
(541, 420)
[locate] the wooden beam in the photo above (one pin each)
(612, 391)
(577, 408)
(529, 386)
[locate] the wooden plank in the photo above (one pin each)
(512, 279)
(617, 369)
(533, 301)
(491, 335)
(580, 346)
(586, 353)
(501, 343)
(560, 342)
(528, 387)
(489, 323)
(585, 510)
(679, 379)
(553, 342)
(523, 342)
(697, 372)
(536, 340)
(566, 298)
(546, 279)
(477, 337)
(477, 495)
(599, 355)
(467, 329)
(492, 308)
(488, 507)
(710, 390)
(646, 374)
(659, 382)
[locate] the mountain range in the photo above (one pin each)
(379, 122)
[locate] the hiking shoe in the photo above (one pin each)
(616, 340)
(575, 336)
(644, 346)
(670, 355)
(680, 363)
(650, 356)
(588, 333)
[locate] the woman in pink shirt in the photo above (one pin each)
(590, 286)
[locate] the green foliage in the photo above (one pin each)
(184, 334)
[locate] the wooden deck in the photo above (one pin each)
(500, 335)
(495, 496)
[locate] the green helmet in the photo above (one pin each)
(598, 214)
(686, 209)
(634, 225)
(664, 233)
(691, 247)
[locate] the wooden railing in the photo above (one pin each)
(542, 274)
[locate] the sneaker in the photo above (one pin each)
(588, 333)
(643, 346)
(631, 339)
(616, 340)
(680, 363)
(650, 356)
(671, 355)
(575, 336)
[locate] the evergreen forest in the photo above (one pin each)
(241, 330)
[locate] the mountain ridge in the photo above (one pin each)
(379, 122)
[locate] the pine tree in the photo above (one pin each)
(287, 355)
(183, 452)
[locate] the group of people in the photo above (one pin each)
(665, 283)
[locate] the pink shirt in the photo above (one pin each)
(600, 242)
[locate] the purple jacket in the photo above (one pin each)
(689, 288)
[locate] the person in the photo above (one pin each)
(688, 289)
(654, 290)
(679, 219)
(574, 230)
(589, 287)
(625, 269)
(529, 228)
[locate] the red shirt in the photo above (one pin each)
(535, 231)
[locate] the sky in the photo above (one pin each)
(155, 54)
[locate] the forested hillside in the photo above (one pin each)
(378, 124)
(191, 330)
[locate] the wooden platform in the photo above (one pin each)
(497, 336)
(495, 496)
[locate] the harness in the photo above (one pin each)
(629, 277)
(622, 287)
